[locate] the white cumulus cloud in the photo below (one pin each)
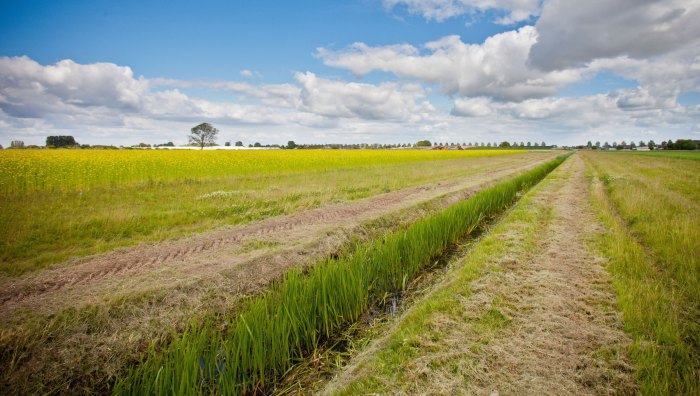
(572, 33)
(29, 89)
(356, 100)
(472, 107)
(247, 73)
(107, 100)
(497, 68)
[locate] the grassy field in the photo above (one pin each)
(691, 155)
(522, 304)
(99, 200)
(652, 209)
(79, 336)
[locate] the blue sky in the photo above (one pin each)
(213, 39)
(455, 70)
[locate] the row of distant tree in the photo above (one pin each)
(58, 142)
(504, 144)
(204, 135)
(679, 144)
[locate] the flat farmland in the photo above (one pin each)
(350, 272)
(105, 253)
(99, 200)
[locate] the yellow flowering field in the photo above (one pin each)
(32, 170)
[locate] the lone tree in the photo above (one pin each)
(203, 134)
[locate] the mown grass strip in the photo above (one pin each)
(255, 349)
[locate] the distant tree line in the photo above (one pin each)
(205, 135)
(679, 144)
(345, 146)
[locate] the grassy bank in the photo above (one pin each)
(651, 208)
(253, 351)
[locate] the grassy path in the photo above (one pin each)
(530, 310)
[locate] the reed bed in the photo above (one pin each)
(251, 352)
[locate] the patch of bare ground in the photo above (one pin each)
(540, 319)
(103, 310)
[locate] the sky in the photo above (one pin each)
(354, 71)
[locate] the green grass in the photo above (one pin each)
(154, 208)
(251, 352)
(651, 208)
